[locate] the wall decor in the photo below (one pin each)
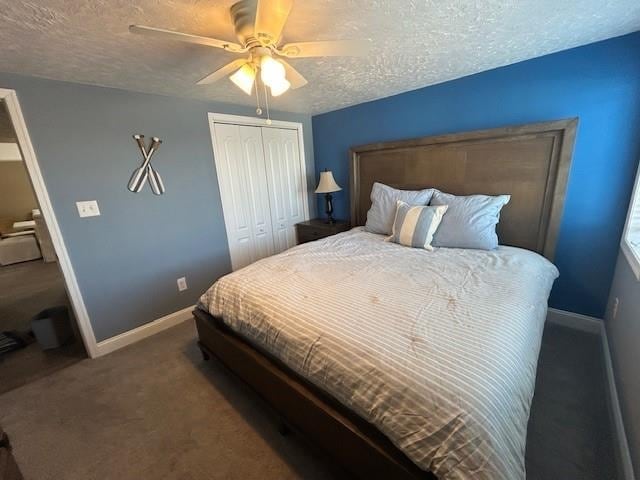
(146, 170)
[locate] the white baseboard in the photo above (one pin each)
(624, 456)
(596, 326)
(127, 338)
(576, 321)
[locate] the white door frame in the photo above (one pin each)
(46, 209)
(259, 122)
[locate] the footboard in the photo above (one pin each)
(352, 442)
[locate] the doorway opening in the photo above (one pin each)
(39, 332)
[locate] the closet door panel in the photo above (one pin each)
(256, 191)
(296, 184)
(245, 200)
(286, 184)
(275, 170)
(232, 176)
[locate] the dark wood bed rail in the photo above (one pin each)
(353, 443)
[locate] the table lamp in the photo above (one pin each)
(328, 185)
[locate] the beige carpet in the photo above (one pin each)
(151, 411)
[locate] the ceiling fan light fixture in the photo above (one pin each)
(272, 72)
(258, 25)
(244, 78)
(280, 87)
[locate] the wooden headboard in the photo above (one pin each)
(529, 162)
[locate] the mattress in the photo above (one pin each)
(438, 350)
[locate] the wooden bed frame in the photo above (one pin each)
(530, 162)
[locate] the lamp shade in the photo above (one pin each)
(271, 70)
(279, 87)
(327, 184)
(244, 78)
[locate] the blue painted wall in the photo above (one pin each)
(600, 83)
(128, 259)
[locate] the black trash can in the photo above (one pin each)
(52, 327)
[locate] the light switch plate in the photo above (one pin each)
(182, 284)
(88, 208)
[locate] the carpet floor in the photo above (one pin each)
(156, 410)
(570, 435)
(25, 290)
(28, 364)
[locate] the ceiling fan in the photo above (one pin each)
(258, 25)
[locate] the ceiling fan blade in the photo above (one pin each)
(333, 48)
(186, 37)
(294, 77)
(223, 71)
(271, 15)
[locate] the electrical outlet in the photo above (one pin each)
(88, 208)
(182, 284)
(614, 311)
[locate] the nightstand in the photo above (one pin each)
(317, 228)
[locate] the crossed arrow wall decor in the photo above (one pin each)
(146, 170)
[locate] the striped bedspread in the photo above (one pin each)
(437, 349)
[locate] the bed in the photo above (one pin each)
(398, 362)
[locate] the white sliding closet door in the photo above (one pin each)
(240, 164)
(287, 185)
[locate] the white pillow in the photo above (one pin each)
(384, 201)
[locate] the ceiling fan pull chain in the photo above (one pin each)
(258, 109)
(266, 103)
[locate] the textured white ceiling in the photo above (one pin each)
(418, 43)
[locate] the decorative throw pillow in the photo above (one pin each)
(470, 221)
(414, 226)
(383, 205)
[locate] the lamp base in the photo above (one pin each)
(329, 208)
